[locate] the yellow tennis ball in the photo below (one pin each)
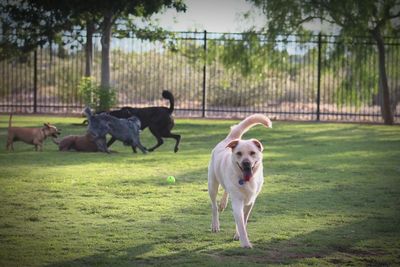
(170, 179)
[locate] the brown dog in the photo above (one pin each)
(33, 136)
(84, 143)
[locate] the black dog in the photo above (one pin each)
(125, 130)
(158, 119)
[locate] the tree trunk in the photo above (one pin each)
(105, 84)
(89, 47)
(105, 50)
(383, 82)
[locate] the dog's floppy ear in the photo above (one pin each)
(258, 144)
(233, 144)
(47, 125)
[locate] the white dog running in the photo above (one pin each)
(237, 165)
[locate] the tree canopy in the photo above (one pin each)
(27, 24)
(352, 17)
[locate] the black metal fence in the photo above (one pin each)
(215, 75)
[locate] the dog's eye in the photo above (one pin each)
(252, 153)
(239, 154)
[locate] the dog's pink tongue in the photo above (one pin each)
(247, 175)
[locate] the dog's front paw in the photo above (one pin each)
(215, 227)
(243, 244)
(246, 245)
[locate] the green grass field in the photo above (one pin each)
(331, 197)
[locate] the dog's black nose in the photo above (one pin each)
(246, 165)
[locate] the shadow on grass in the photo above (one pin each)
(334, 245)
(298, 150)
(334, 242)
(201, 138)
(198, 143)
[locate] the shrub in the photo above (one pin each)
(106, 98)
(95, 96)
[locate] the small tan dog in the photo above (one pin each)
(83, 143)
(33, 136)
(237, 166)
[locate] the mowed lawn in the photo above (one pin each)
(331, 197)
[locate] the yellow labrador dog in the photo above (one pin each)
(236, 165)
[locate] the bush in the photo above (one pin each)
(106, 97)
(95, 96)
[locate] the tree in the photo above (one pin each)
(31, 23)
(353, 17)
(25, 25)
(107, 13)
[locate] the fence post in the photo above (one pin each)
(319, 76)
(35, 81)
(204, 75)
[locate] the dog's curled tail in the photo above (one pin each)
(9, 121)
(238, 130)
(168, 95)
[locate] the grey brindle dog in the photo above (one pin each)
(125, 130)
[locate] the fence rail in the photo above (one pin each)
(215, 75)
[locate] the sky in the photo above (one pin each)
(222, 16)
(213, 16)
